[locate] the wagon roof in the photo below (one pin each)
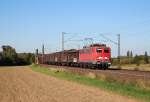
(71, 50)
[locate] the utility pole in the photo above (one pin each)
(118, 50)
(36, 56)
(43, 53)
(63, 33)
(43, 49)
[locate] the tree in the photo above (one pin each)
(25, 58)
(131, 54)
(9, 55)
(30, 58)
(128, 53)
(0, 57)
(146, 58)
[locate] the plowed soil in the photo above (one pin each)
(21, 84)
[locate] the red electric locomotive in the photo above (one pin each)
(95, 55)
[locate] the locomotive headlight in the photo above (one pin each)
(106, 58)
(100, 58)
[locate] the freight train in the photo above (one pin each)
(93, 56)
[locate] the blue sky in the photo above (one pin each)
(26, 24)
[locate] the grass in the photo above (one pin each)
(141, 67)
(121, 88)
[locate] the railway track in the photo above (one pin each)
(125, 75)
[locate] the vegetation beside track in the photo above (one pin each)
(141, 67)
(121, 88)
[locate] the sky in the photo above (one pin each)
(27, 24)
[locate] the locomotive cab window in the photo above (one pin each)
(98, 50)
(106, 50)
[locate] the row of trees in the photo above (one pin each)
(129, 54)
(131, 59)
(138, 58)
(9, 57)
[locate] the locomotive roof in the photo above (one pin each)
(98, 45)
(95, 45)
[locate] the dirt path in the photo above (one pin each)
(21, 84)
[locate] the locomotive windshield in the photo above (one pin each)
(106, 50)
(98, 50)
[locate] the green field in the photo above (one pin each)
(121, 88)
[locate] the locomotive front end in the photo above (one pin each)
(103, 56)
